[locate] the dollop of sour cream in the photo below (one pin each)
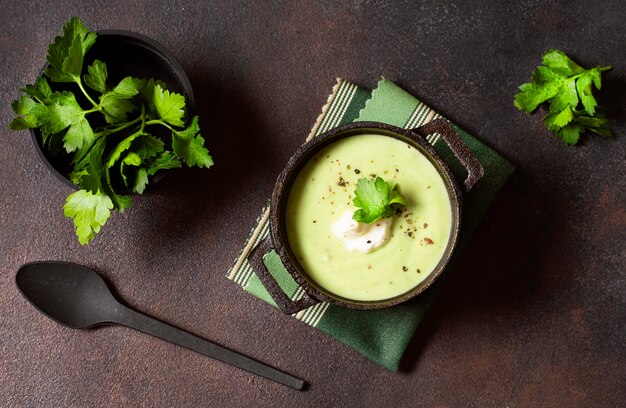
(361, 237)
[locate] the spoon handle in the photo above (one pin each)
(157, 328)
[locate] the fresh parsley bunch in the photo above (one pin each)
(122, 153)
(566, 86)
(375, 199)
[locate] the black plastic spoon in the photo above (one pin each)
(77, 297)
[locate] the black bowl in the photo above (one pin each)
(126, 54)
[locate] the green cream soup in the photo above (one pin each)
(323, 191)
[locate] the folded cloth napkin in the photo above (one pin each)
(380, 335)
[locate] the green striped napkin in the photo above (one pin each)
(380, 335)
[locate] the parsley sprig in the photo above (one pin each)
(566, 86)
(375, 199)
(120, 155)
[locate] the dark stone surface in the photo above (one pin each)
(534, 315)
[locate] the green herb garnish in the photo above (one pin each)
(565, 85)
(120, 154)
(375, 199)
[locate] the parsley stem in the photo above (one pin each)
(160, 122)
(124, 125)
(80, 85)
(105, 133)
(97, 106)
(143, 117)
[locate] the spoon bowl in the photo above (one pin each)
(77, 297)
(69, 294)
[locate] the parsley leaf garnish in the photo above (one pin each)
(121, 156)
(565, 85)
(375, 199)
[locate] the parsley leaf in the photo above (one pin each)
(25, 120)
(169, 105)
(583, 87)
(565, 97)
(128, 87)
(141, 180)
(146, 94)
(64, 112)
(116, 109)
(120, 148)
(597, 124)
(557, 120)
(40, 91)
(89, 211)
(116, 104)
(376, 199)
(89, 170)
(570, 133)
(534, 94)
(561, 64)
(148, 146)
(165, 160)
(565, 85)
(189, 145)
(97, 77)
(73, 63)
(66, 54)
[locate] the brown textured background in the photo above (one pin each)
(534, 315)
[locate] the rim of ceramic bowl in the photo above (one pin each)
(161, 53)
(280, 195)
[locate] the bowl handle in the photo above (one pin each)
(475, 170)
(285, 304)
